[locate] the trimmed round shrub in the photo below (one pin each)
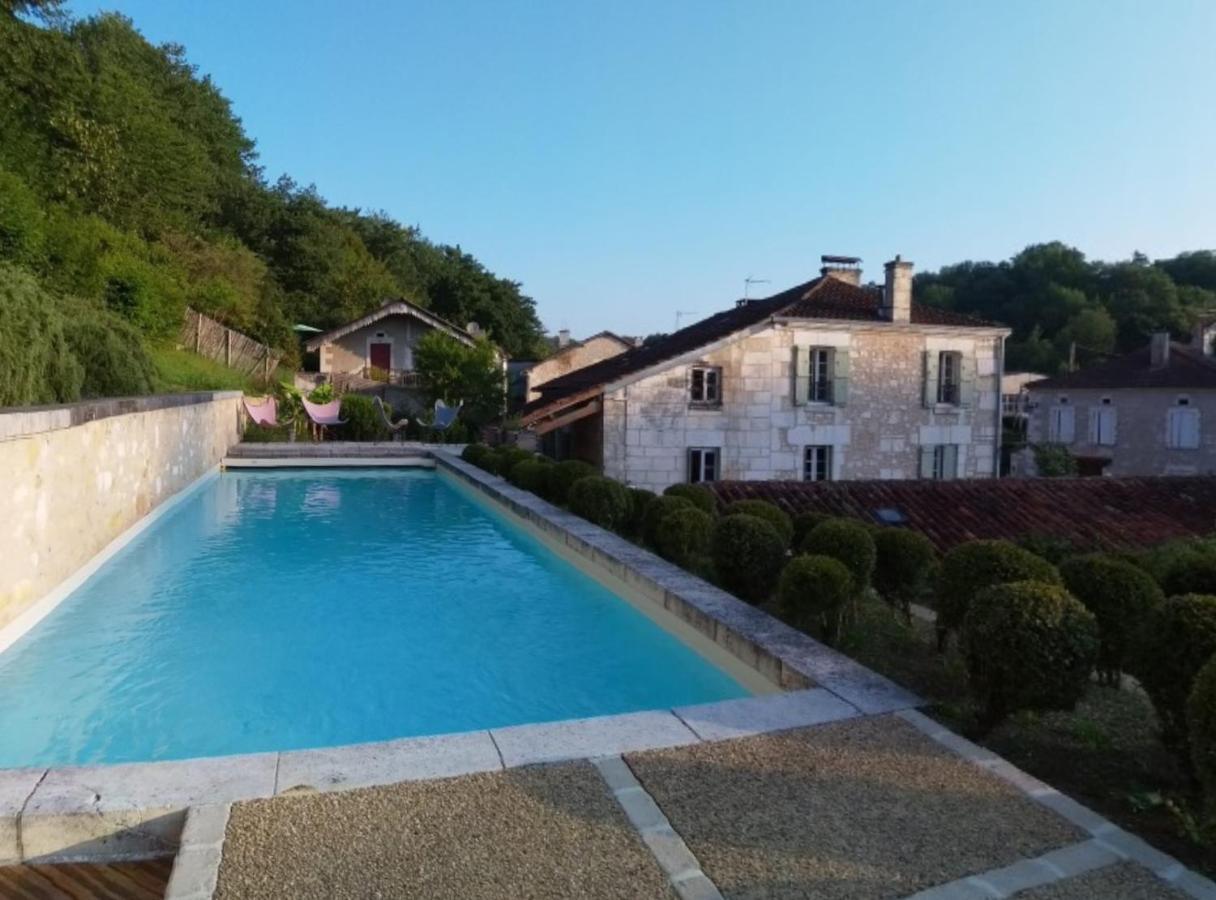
(506, 458)
(847, 540)
(813, 592)
(600, 500)
(1192, 572)
(656, 511)
(970, 568)
(562, 476)
(903, 565)
(1028, 645)
(529, 474)
(1120, 595)
(683, 537)
(477, 455)
(1178, 638)
(639, 502)
(747, 554)
(697, 494)
(804, 524)
(363, 421)
(1201, 725)
(770, 512)
(1048, 546)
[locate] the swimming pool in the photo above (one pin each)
(287, 609)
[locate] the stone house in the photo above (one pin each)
(1149, 412)
(570, 355)
(827, 380)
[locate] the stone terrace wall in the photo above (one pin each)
(76, 476)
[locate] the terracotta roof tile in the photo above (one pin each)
(1187, 368)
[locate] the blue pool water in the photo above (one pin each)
(290, 609)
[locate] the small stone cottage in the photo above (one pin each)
(827, 380)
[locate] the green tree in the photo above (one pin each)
(454, 373)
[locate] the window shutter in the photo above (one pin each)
(1095, 426)
(1112, 428)
(802, 374)
(1068, 424)
(840, 377)
(966, 380)
(929, 387)
(950, 462)
(926, 462)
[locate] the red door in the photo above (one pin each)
(381, 356)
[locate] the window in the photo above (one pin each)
(706, 386)
(702, 464)
(821, 375)
(817, 464)
(1102, 424)
(949, 376)
(1061, 423)
(819, 389)
(939, 462)
(1182, 426)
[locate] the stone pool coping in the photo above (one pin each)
(133, 810)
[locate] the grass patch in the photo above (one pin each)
(181, 371)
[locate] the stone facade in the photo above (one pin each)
(79, 475)
(350, 353)
(568, 359)
(878, 432)
(1139, 429)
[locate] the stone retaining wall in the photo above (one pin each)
(78, 475)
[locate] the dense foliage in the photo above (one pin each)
(601, 500)
(1028, 645)
(771, 513)
(1201, 724)
(127, 182)
(363, 420)
(562, 476)
(683, 537)
(657, 509)
(804, 524)
(904, 563)
(530, 474)
(456, 373)
(848, 541)
(813, 592)
(639, 503)
(748, 554)
(696, 494)
(1120, 595)
(970, 568)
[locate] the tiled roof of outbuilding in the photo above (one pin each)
(1088, 511)
(1186, 368)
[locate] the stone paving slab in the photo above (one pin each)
(551, 741)
(544, 833)
(1125, 881)
(757, 715)
(863, 808)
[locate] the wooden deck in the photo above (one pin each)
(145, 880)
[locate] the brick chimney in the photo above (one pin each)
(897, 291)
(844, 268)
(1159, 350)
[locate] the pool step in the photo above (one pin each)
(329, 453)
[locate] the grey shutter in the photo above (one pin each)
(929, 390)
(950, 459)
(840, 377)
(966, 380)
(801, 375)
(926, 461)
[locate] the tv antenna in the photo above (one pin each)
(681, 313)
(748, 282)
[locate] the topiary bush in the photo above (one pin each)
(697, 494)
(562, 476)
(804, 524)
(1177, 640)
(903, 564)
(477, 455)
(1028, 645)
(639, 502)
(771, 513)
(971, 567)
(600, 500)
(529, 474)
(363, 421)
(1050, 547)
(683, 537)
(748, 554)
(813, 592)
(1120, 595)
(1201, 726)
(849, 541)
(1191, 573)
(506, 458)
(657, 510)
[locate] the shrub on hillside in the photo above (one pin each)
(658, 509)
(363, 420)
(562, 476)
(697, 494)
(683, 537)
(1120, 595)
(771, 513)
(476, 455)
(748, 554)
(639, 502)
(530, 474)
(904, 563)
(813, 592)
(1201, 726)
(600, 500)
(37, 364)
(1028, 645)
(1178, 638)
(111, 352)
(804, 524)
(848, 541)
(970, 568)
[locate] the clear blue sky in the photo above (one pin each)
(626, 160)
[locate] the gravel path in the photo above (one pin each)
(861, 809)
(1126, 881)
(537, 833)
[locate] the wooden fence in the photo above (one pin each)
(217, 341)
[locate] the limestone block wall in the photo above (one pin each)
(77, 476)
(593, 350)
(349, 353)
(878, 433)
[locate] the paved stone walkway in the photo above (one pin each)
(868, 807)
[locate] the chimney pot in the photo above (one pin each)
(1159, 350)
(842, 268)
(897, 291)
(563, 338)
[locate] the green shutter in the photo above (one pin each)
(929, 387)
(966, 380)
(840, 377)
(950, 462)
(926, 461)
(801, 375)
